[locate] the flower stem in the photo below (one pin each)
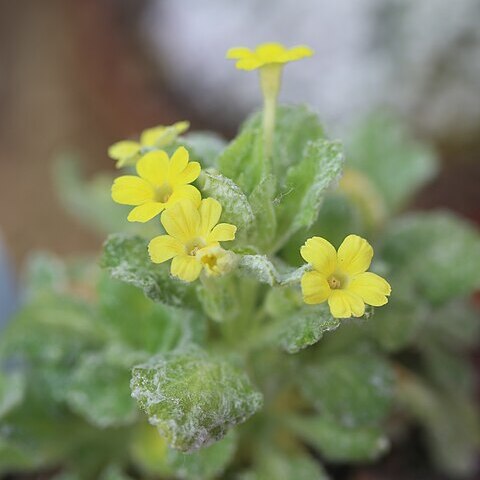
(270, 80)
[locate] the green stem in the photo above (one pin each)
(270, 81)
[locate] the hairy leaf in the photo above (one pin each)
(338, 443)
(353, 388)
(193, 399)
(126, 258)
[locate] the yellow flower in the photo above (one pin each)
(193, 234)
(127, 152)
(266, 54)
(342, 278)
(161, 182)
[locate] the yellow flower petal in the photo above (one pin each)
(131, 190)
(187, 175)
(223, 232)
(144, 213)
(344, 304)
(186, 268)
(164, 247)
(270, 52)
(181, 127)
(315, 288)
(298, 52)
(149, 137)
(185, 192)
(178, 163)
(182, 221)
(372, 288)
(153, 167)
(354, 255)
(210, 211)
(321, 254)
(123, 151)
(236, 53)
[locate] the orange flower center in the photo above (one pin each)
(194, 246)
(337, 281)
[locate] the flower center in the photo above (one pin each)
(337, 281)
(194, 246)
(163, 192)
(209, 261)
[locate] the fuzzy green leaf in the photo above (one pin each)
(140, 324)
(439, 252)
(12, 391)
(262, 269)
(204, 147)
(282, 465)
(337, 443)
(235, 207)
(242, 160)
(386, 153)
(126, 258)
(91, 201)
(193, 399)
(453, 439)
(319, 166)
(305, 326)
(355, 388)
(152, 454)
(99, 389)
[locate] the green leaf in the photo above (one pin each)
(355, 389)
(398, 324)
(153, 455)
(91, 201)
(235, 207)
(296, 125)
(306, 326)
(99, 389)
(126, 258)
(449, 370)
(12, 391)
(454, 325)
(337, 443)
(440, 253)
(193, 399)
(140, 324)
(262, 269)
(387, 154)
(265, 227)
(285, 465)
(204, 147)
(319, 165)
(242, 160)
(114, 472)
(450, 421)
(44, 273)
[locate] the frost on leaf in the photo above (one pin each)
(353, 388)
(262, 269)
(12, 389)
(305, 327)
(338, 443)
(235, 207)
(439, 252)
(126, 259)
(193, 399)
(319, 166)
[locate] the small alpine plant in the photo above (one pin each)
(241, 325)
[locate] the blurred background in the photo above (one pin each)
(75, 76)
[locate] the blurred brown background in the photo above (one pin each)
(75, 75)
(72, 77)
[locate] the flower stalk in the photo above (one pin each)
(270, 82)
